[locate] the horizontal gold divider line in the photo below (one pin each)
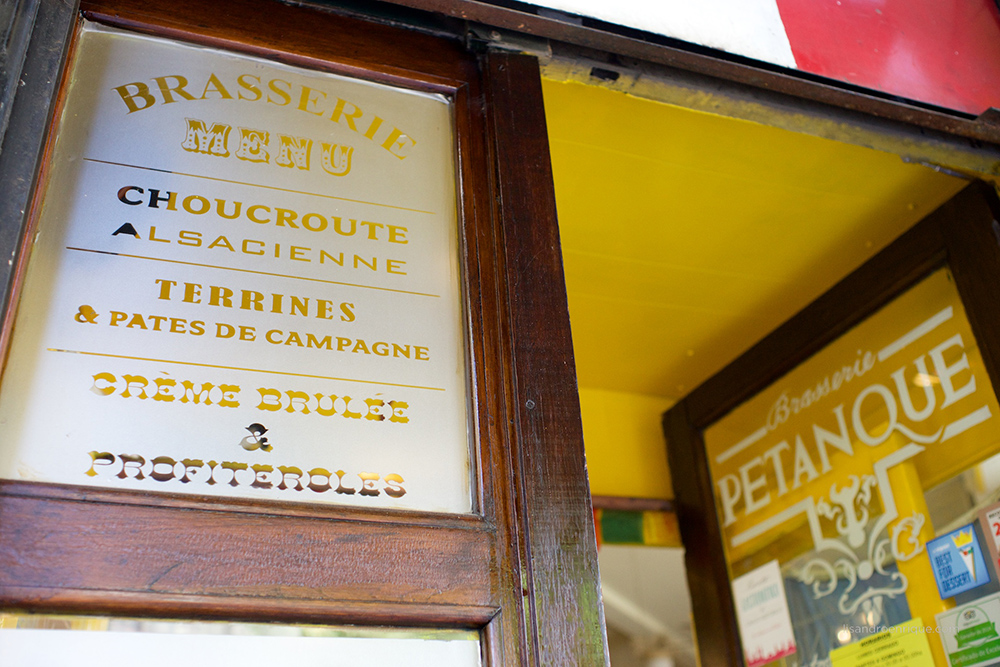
(260, 273)
(255, 185)
(249, 370)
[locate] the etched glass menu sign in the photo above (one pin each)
(244, 282)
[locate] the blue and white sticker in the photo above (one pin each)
(957, 561)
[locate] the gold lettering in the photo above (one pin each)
(222, 242)
(203, 205)
(293, 152)
(320, 472)
(199, 139)
(336, 158)
(283, 93)
(284, 216)
(303, 399)
(243, 82)
(107, 389)
(368, 480)
(252, 214)
(326, 412)
(261, 473)
(394, 486)
(163, 389)
(247, 242)
(339, 113)
(141, 91)
(253, 145)
(191, 465)
(163, 476)
(234, 466)
(374, 409)
(168, 92)
(293, 472)
(309, 221)
(135, 462)
(306, 99)
(265, 395)
(165, 286)
(229, 392)
(106, 458)
(398, 408)
(196, 396)
(397, 234)
(137, 381)
(214, 85)
(152, 236)
(398, 144)
(189, 238)
(348, 490)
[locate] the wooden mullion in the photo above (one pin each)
(630, 504)
(707, 574)
(970, 226)
(101, 551)
(507, 636)
(552, 496)
(486, 291)
(301, 36)
(127, 604)
(271, 508)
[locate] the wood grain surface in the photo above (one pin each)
(103, 550)
(554, 506)
(304, 36)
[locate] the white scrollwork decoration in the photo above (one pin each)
(911, 527)
(809, 577)
(848, 506)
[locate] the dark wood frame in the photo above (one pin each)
(963, 234)
(522, 568)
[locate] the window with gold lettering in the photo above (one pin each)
(245, 283)
(833, 484)
(266, 388)
(838, 483)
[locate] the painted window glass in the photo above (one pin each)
(244, 282)
(854, 494)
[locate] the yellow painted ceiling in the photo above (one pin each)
(687, 236)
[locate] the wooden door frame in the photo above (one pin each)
(522, 568)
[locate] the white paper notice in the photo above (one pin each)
(245, 282)
(991, 526)
(762, 614)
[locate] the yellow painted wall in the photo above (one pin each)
(626, 451)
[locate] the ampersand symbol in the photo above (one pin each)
(86, 314)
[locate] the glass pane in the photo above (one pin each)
(245, 282)
(120, 642)
(833, 484)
